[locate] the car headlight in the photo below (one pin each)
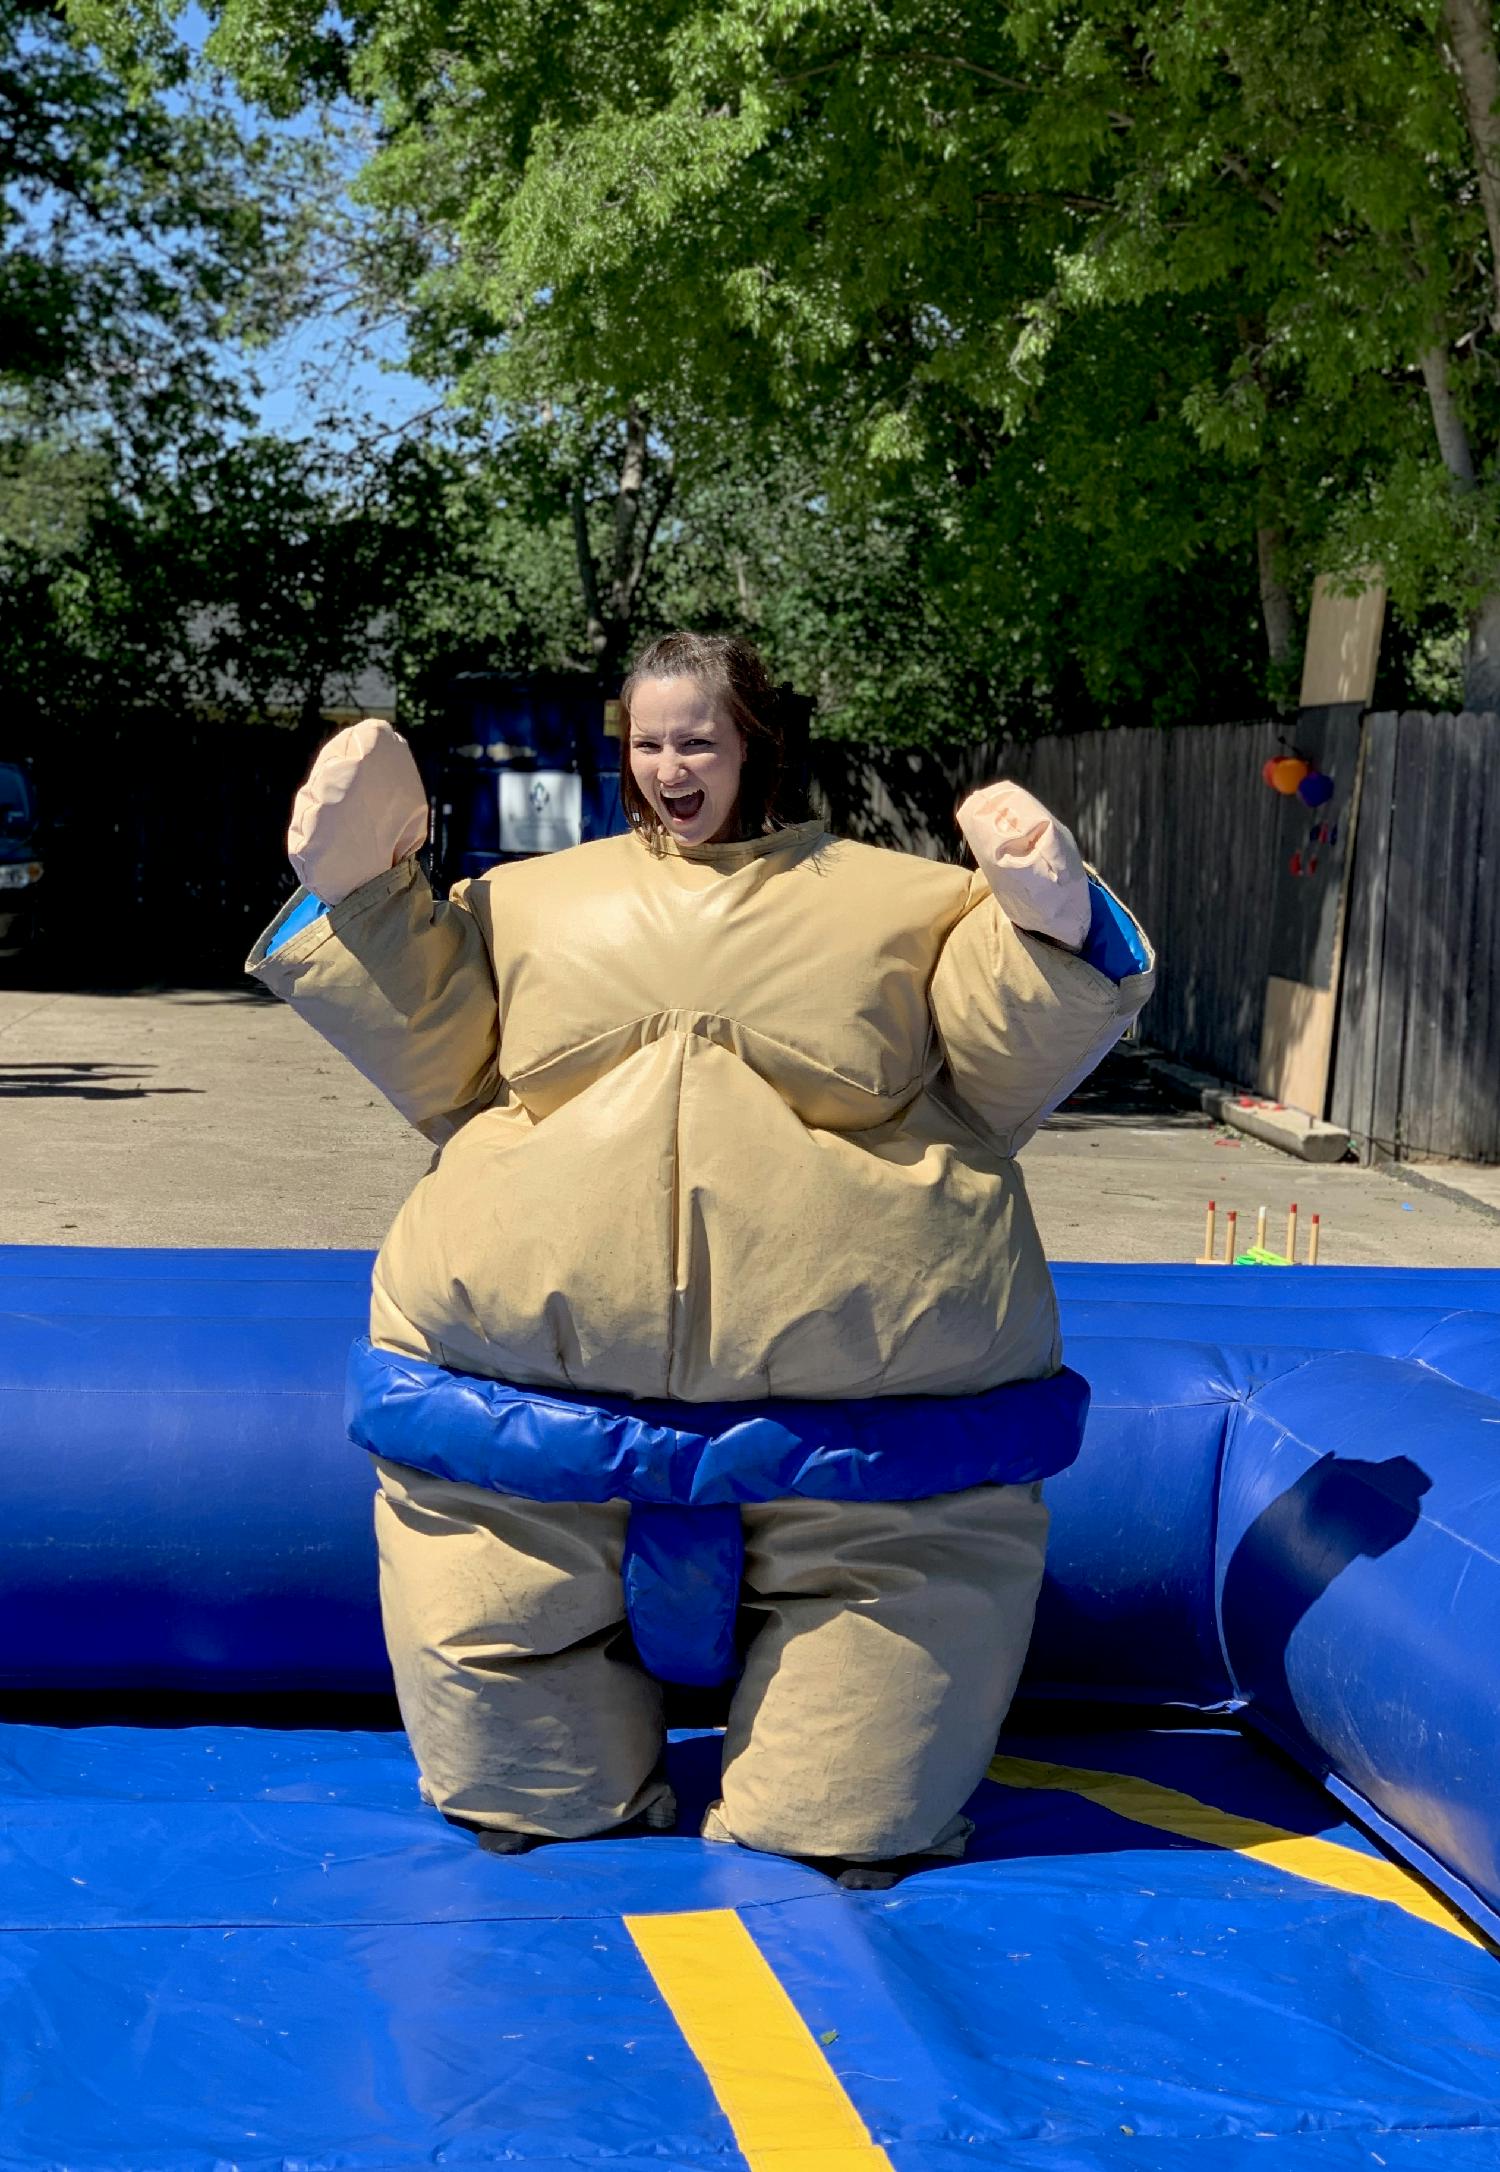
(19, 874)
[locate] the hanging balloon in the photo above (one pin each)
(1267, 768)
(1315, 790)
(1287, 773)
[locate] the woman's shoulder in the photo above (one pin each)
(887, 868)
(599, 859)
(881, 873)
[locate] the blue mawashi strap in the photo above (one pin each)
(681, 1573)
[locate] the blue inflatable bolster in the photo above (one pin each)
(1357, 1590)
(686, 1468)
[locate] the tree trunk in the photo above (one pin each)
(1447, 422)
(610, 603)
(1470, 42)
(1482, 652)
(1482, 659)
(588, 573)
(628, 513)
(1275, 598)
(1471, 49)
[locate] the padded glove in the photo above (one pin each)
(1030, 861)
(362, 809)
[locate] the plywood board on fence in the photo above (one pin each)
(1342, 650)
(1307, 890)
(1296, 1044)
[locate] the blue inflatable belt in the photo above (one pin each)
(686, 1481)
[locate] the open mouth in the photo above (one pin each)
(682, 806)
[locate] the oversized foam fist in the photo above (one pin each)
(1030, 862)
(362, 809)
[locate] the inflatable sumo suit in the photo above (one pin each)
(721, 1309)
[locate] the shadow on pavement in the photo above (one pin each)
(1124, 1094)
(80, 1082)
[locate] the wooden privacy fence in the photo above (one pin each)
(168, 857)
(1244, 900)
(1417, 1065)
(164, 844)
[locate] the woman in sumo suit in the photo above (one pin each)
(726, 1113)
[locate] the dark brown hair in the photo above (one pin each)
(734, 674)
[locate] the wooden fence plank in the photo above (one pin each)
(1397, 952)
(1479, 1077)
(1420, 838)
(1352, 1102)
(1464, 1109)
(1451, 1115)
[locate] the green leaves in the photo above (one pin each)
(1054, 304)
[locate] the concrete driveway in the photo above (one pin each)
(215, 1117)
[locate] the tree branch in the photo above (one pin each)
(646, 535)
(1034, 197)
(588, 572)
(959, 61)
(1259, 189)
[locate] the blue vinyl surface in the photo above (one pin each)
(238, 1948)
(235, 1947)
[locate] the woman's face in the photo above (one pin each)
(687, 760)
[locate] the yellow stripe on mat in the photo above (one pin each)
(785, 2103)
(1324, 1862)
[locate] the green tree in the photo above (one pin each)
(1130, 317)
(149, 242)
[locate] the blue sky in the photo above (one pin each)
(329, 363)
(362, 378)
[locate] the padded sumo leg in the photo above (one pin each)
(892, 1638)
(505, 1621)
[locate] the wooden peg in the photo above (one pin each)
(1206, 1257)
(1230, 1225)
(1312, 1241)
(1291, 1234)
(1260, 1230)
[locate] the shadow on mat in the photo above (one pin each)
(1341, 1510)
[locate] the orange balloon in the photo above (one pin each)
(1288, 773)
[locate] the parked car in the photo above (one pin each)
(20, 859)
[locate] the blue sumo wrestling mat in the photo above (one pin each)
(1231, 1904)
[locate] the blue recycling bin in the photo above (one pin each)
(531, 765)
